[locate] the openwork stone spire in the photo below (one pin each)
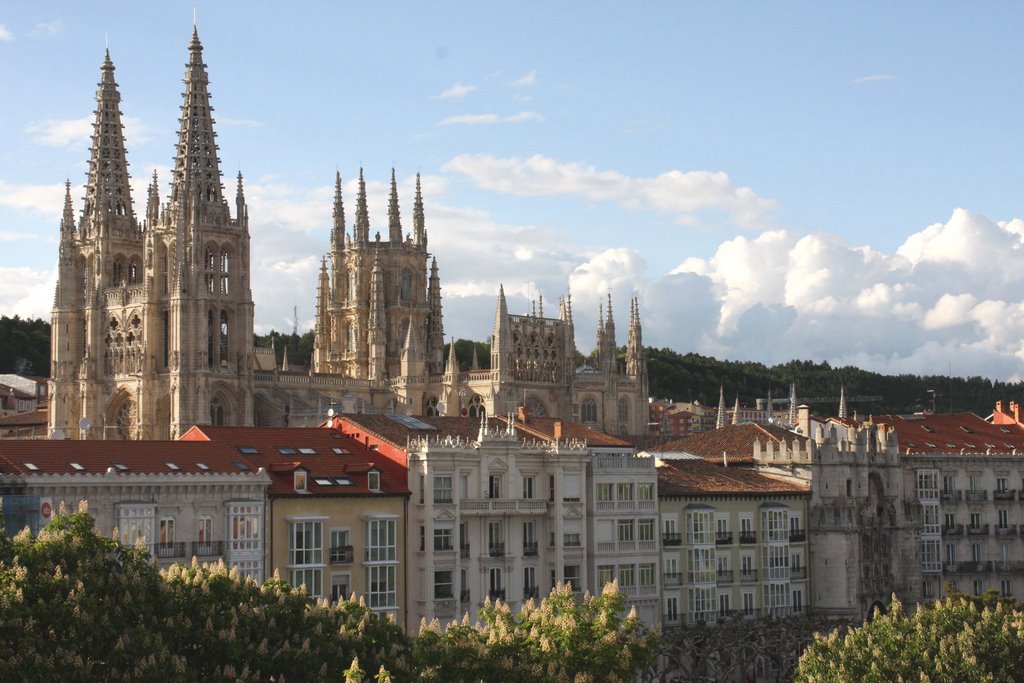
(394, 216)
(419, 234)
(197, 179)
(720, 418)
(108, 199)
(361, 233)
(338, 227)
(67, 221)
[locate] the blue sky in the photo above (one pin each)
(827, 181)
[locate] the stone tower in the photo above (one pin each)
(154, 322)
(379, 297)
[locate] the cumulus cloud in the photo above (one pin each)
(682, 193)
(44, 199)
(5, 34)
(479, 119)
(525, 80)
(456, 91)
(27, 292)
(77, 132)
(47, 29)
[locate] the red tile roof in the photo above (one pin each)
(736, 441)
(952, 433)
(128, 457)
(328, 456)
(32, 418)
(696, 476)
(397, 431)
(546, 427)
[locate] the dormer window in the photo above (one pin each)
(299, 478)
(373, 480)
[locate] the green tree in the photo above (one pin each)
(954, 640)
(562, 639)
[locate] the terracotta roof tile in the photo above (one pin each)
(328, 456)
(35, 417)
(952, 433)
(736, 441)
(696, 476)
(545, 427)
(140, 457)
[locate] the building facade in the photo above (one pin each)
(153, 315)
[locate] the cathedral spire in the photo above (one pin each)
(452, 369)
(108, 197)
(720, 418)
(419, 228)
(635, 360)
(792, 404)
(435, 321)
(501, 339)
(338, 228)
(842, 401)
(362, 230)
(394, 216)
(736, 411)
(67, 221)
(377, 337)
(197, 178)
(153, 201)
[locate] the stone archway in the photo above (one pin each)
(122, 418)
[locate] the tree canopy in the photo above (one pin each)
(953, 640)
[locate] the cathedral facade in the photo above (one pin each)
(152, 327)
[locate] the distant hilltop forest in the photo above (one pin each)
(25, 349)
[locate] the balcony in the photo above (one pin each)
(1004, 494)
(974, 567)
(443, 547)
(464, 552)
(724, 576)
(798, 572)
(672, 538)
(707, 576)
(671, 578)
(530, 548)
(797, 535)
(571, 541)
(951, 496)
(748, 537)
(464, 595)
(503, 506)
(167, 550)
(748, 576)
(723, 538)
(341, 554)
(981, 530)
(496, 595)
(1014, 566)
(497, 549)
(443, 593)
(1010, 530)
(953, 530)
(973, 496)
(530, 592)
(207, 548)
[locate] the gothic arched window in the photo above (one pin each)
(216, 411)
(476, 406)
(134, 276)
(588, 411)
(225, 269)
(430, 407)
(117, 272)
(623, 410)
(405, 291)
(211, 267)
(223, 336)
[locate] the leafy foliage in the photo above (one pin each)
(299, 346)
(562, 639)
(24, 346)
(953, 640)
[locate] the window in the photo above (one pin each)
(975, 483)
(381, 592)
(494, 486)
(223, 336)
(588, 411)
(976, 553)
(671, 609)
(341, 547)
(135, 524)
(979, 587)
(246, 520)
(305, 543)
(625, 527)
(775, 561)
(529, 583)
(1004, 588)
(645, 491)
(624, 491)
(748, 604)
(443, 585)
(975, 520)
(849, 488)
(442, 489)
(928, 484)
(166, 530)
(623, 410)
(700, 564)
(405, 287)
(776, 598)
(647, 574)
(950, 520)
(604, 492)
(380, 540)
(627, 575)
(1000, 483)
(1003, 519)
(930, 555)
(571, 576)
(951, 553)
(605, 575)
(527, 487)
(300, 481)
(645, 530)
(700, 527)
(225, 268)
(930, 517)
(775, 524)
(463, 486)
(373, 480)
(443, 539)
(798, 600)
(723, 604)
(496, 584)
(948, 482)
(702, 601)
(746, 524)
(204, 529)
(496, 539)
(747, 564)
(341, 587)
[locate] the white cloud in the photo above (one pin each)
(44, 199)
(478, 119)
(683, 193)
(5, 34)
(27, 292)
(525, 80)
(47, 29)
(874, 78)
(77, 132)
(456, 91)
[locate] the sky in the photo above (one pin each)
(826, 181)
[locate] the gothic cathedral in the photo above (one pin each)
(152, 326)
